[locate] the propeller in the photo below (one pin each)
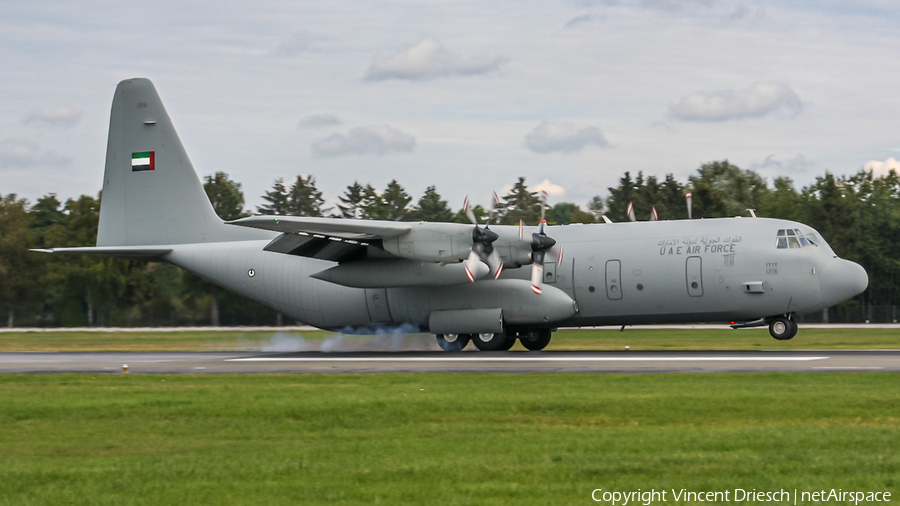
(482, 247)
(687, 197)
(653, 214)
(540, 245)
(630, 212)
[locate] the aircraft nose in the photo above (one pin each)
(842, 279)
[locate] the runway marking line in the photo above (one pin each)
(524, 359)
(849, 367)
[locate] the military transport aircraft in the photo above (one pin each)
(488, 284)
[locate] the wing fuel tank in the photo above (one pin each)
(398, 274)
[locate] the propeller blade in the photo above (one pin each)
(521, 230)
(653, 215)
(495, 264)
(481, 253)
(688, 196)
(559, 256)
(630, 212)
(543, 205)
(496, 200)
(472, 264)
(537, 274)
(468, 212)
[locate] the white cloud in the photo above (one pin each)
(563, 137)
(62, 117)
(554, 190)
(296, 44)
(371, 140)
(428, 60)
(795, 165)
(760, 99)
(881, 169)
(319, 121)
(22, 153)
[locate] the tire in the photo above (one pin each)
(782, 328)
(794, 328)
(490, 341)
(537, 340)
(509, 343)
(456, 342)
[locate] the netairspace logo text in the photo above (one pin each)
(737, 495)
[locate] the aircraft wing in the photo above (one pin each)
(147, 253)
(329, 227)
(334, 239)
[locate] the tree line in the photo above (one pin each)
(859, 215)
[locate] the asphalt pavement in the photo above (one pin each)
(468, 361)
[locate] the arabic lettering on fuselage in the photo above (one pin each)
(698, 245)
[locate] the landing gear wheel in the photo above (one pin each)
(536, 340)
(510, 341)
(452, 342)
(490, 341)
(783, 328)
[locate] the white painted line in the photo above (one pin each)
(844, 368)
(524, 359)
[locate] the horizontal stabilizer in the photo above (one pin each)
(333, 227)
(126, 252)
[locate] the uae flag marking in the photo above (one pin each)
(143, 161)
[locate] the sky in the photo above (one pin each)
(466, 96)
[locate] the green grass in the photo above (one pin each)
(587, 339)
(439, 438)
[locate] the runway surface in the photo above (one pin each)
(568, 361)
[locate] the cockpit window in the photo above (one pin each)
(792, 238)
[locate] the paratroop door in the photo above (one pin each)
(614, 279)
(694, 276)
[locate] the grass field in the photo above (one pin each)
(439, 438)
(586, 339)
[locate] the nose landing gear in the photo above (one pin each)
(783, 327)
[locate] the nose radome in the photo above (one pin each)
(842, 279)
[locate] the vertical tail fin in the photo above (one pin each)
(151, 193)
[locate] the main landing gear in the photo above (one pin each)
(453, 342)
(783, 327)
(531, 339)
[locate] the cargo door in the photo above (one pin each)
(694, 276)
(614, 279)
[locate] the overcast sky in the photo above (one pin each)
(463, 95)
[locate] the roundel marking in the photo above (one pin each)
(251, 272)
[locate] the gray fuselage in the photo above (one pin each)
(724, 270)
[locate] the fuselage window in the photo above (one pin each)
(782, 243)
(793, 242)
(813, 239)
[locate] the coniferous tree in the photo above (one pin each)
(520, 204)
(304, 198)
(277, 198)
(432, 208)
(352, 201)
(620, 196)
